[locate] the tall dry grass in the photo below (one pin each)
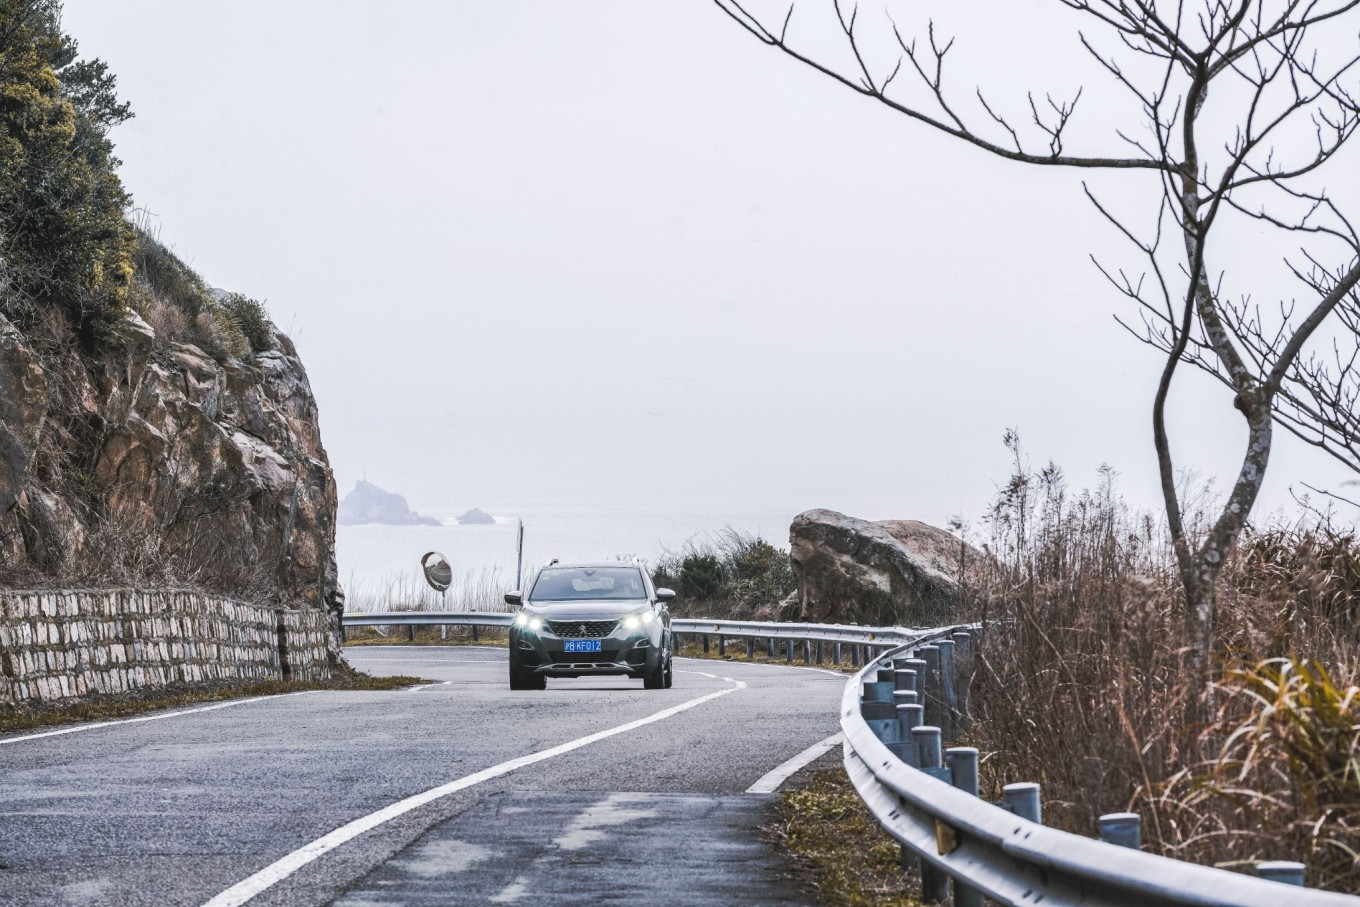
(483, 590)
(1082, 684)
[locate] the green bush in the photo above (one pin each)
(64, 236)
(252, 320)
(700, 577)
(728, 573)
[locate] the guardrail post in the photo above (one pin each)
(704, 638)
(836, 651)
(788, 650)
(1122, 829)
(963, 772)
(950, 726)
(934, 882)
(908, 717)
(474, 632)
(751, 647)
(443, 632)
(772, 649)
(1022, 798)
(904, 678)
(722, 646)
(963, 667)
(410, 632)
(929, 681)
(1281, 871)
(820, 658)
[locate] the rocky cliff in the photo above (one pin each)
(148, 461)
(850, 570)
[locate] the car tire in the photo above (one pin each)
(657, 679)
(525, 680)
(670, 670)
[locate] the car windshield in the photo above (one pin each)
(564, 584)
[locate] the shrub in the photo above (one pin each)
(727, 573)
(63, 233)
(252, 320)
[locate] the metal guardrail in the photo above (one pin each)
(927, 798)
(426, 618)
(870, 637)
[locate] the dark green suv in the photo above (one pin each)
(584, 620)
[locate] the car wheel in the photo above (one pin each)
(670, 670)
(657, 679)
(525, 680)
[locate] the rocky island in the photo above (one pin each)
(368, 503)
(475, 517)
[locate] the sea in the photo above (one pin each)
(379, 566)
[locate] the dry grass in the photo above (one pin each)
(481, 591)
(1083, 685)
(424, 636)
(100, 708)
(836, 847)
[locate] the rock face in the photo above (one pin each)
(148, 461)
(475, 517)
(368, 503)
(895, 572)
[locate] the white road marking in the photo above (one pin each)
(512, 892)
(280, 869)
(764, 664)
(770, 781)
(426, 686)
(98, 724)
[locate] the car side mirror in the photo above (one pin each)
(514, 598)
(665, 595)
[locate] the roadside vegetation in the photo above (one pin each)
(726, 574)
(834, 845)
(1086, 686)
(125, 705)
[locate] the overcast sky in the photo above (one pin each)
(622, 249)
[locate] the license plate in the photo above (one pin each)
(580, 645)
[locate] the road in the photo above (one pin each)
(461, 792)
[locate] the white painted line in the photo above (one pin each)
(770, 781)
(279, 870)
(765, 664)
(98, 724)
(426, 686)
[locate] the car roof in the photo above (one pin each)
(571, 564)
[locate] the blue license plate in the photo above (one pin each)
(580, 645)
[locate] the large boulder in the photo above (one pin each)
(894, 572)
(149, 461)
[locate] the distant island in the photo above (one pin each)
(475, 517)
(368, 503)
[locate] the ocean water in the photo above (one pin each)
(375, 560)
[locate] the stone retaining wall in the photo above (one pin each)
(57, 645)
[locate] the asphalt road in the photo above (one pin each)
(458, 793)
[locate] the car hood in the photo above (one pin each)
(578, 610)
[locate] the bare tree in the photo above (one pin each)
(1283, 112)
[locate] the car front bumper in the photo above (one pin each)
(633, 653)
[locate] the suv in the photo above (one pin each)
(584, 620)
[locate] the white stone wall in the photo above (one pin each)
(58, 645)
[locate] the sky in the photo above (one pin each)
(621, 250)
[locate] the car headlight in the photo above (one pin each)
(527, 621)
(642, 618)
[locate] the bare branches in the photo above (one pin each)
(946, 118)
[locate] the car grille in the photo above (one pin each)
(582, 629)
